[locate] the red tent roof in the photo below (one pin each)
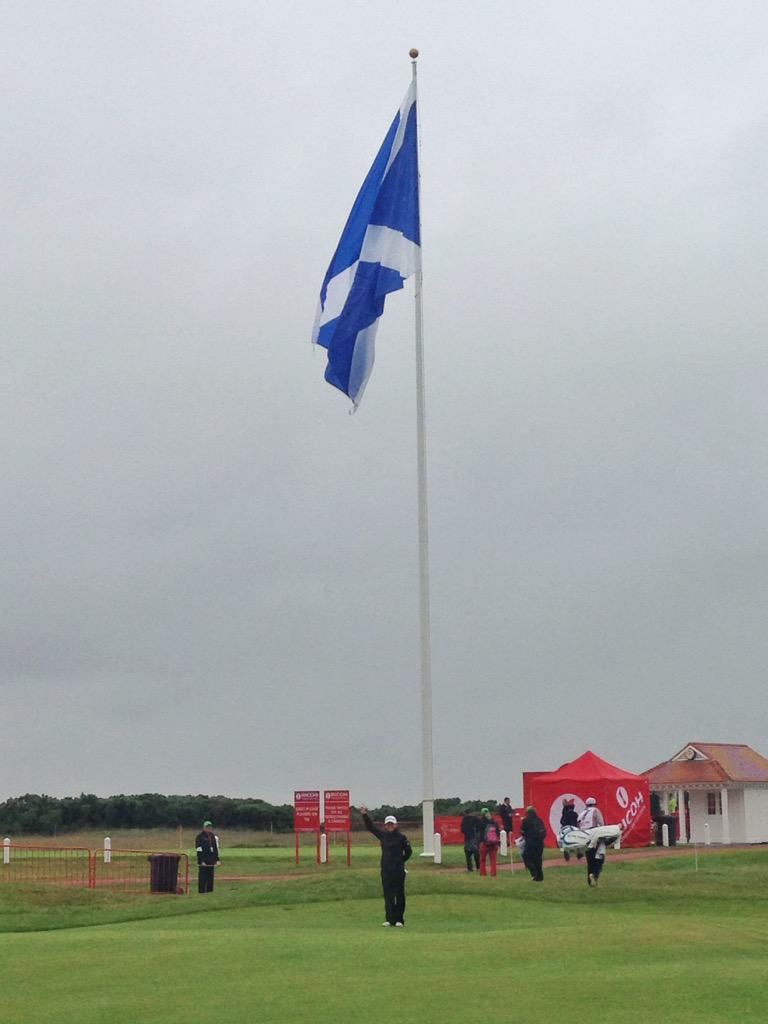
(587, 768)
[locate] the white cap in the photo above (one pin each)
(390, 820)
(590, 801)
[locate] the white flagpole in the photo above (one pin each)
(428, 797)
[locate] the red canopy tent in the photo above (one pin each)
(623, 798)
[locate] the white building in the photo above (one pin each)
(720, 791)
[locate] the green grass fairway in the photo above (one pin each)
(657, 941)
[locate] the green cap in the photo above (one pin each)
(483, 810)
(207, 823)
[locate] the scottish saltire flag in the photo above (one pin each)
(378, 249)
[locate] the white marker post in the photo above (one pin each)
(6, 850)
(107, 850)
(438, 841)
(323, 848)
(503, 848)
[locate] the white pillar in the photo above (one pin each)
(6, 850)
(438, 841)
(323, 848)
(107, 850)
(503, 849)
(683, 837)
(665, 803)
(427, 783)
(726, 822)
(665, 834)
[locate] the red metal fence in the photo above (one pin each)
(46, 865)
(138, 871)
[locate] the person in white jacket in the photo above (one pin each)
(591, 817)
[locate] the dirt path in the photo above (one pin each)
(624, 855)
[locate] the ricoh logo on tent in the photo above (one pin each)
(632, 809)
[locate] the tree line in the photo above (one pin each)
(47, 815)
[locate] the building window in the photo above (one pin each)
(714, 803)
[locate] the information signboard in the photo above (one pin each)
(336, 816)
(336, 803)
(306, 806)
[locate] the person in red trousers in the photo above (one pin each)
(490, 841)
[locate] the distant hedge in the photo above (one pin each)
(47, 814)
(40, 814)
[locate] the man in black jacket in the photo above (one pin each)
(507, 811)
(570, 816)
(207, 848)
(395, 851)
(533, 831)
(470, 829)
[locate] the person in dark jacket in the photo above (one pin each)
(570, 816)
(506, 810)
(395, 851)
(533, 831)
(207, 847)
(470, 829)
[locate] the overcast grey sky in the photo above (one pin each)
(210, 569)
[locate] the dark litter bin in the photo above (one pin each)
(671, 822)
(164, 872)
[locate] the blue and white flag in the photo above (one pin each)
(378, 249)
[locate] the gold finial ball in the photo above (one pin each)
(413, 53)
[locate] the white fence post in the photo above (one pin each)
(107, 850)
(323, 848)
(438, 848)
(6, 850)
(503, 849)
(665, 834)
(707, 840)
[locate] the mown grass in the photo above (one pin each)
(656, 940)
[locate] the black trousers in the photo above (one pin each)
(205, 878)
(532, 858)
(393, 884)
(472, 854)
(594, 863)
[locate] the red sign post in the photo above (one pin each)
(336, 804)
(306, 816)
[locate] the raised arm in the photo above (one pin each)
(368, 823)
